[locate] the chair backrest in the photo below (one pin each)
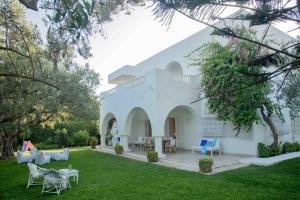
(172, 142)
(211, 142)
(202, 142)
(147, 140)
(141, 139)
(33, 170)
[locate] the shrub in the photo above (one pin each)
(205, 164)
(93, 142)
(61, 137)
(119, 149)
(274, 151)
(265, 151)
(81, 138)
(43, 146)
(288, 147)
(152, 156)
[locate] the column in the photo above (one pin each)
(158, 146)
(102, 140)
(124, 142)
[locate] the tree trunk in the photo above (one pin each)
(6, 146)
(268, 120)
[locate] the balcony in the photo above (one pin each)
(155, 83)
(122, 75)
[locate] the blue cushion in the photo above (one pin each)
(202, 142)
(211, 143)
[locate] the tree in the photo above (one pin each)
(31, 92)
(229, 96)
(290, 93)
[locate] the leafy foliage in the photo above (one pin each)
(31, 92)
(93, 142)
(205, 164)
(291, 93)
(81, 138)
(152, 156)
(232, 95)
(265, 151)
(118, 149)
(288, 147)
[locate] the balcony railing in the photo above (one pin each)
(135, 82)
(184, 78)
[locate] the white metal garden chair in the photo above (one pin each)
(35, 173)
(55, 181)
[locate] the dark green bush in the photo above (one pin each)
(43, 146)
(152, 156)
(274, 151)
(205, 164)
(93, 142)
(288, 147)
(119, 149)
(81, 138)
(263, 150)
(61, 137)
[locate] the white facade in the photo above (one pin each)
(154, 99)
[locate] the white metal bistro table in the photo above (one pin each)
(71, 173)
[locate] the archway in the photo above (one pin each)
(180, 124)
(174, 68)
(138, 124)
(109, 128)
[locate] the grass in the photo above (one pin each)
(104, 176)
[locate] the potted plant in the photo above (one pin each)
(93, 142)
(119, 149)
(152, 156)
(205, 164)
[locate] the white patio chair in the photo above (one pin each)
(55, 181)
(203, 146)
(41, 158)
(61, 156)
(23, 159)
(215, 147)
(139, 141)
(35, 173)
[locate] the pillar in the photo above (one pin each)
(124, 142)
(158, 146)
(102, 140)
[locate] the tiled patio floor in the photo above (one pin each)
(186, 160)
(187, 157)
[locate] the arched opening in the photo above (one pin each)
(180, 124)
(175, 69)
(109, 128)
(138, 125)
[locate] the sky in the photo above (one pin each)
(130, 39)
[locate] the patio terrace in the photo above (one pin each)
(185, 159)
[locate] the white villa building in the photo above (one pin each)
(154, 99)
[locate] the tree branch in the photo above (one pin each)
(29, 78)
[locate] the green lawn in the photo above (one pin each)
(104, 176)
